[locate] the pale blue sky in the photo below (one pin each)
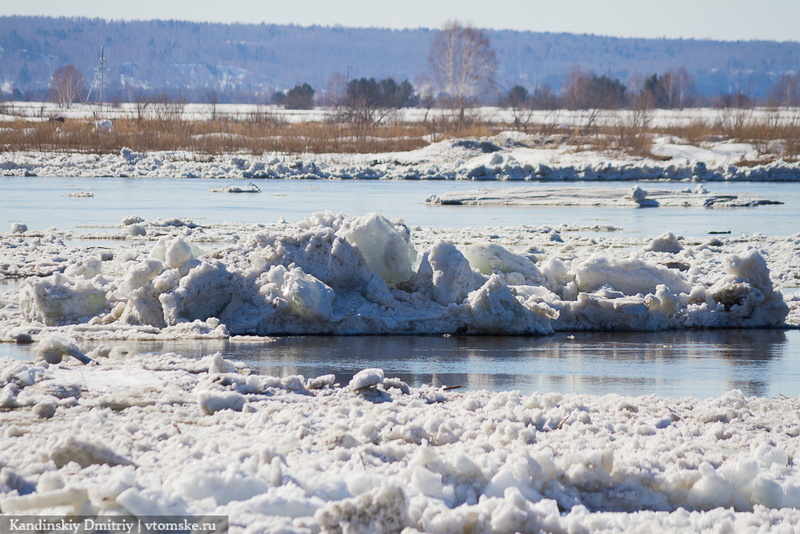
(700, 19)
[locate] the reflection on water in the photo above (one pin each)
(671, 364)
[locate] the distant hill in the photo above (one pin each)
(247, 62)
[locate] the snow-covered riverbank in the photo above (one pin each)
(507, 156)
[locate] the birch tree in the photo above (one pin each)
(67, 85)
(463, 65)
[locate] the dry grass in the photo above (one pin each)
(256, 135)
(695, 133)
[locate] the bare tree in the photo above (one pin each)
(336, 92)
(426, 92)
(786, 91)
(519, 102)
(670, 90)
(213, 100)
(463, 65)
(66, 85)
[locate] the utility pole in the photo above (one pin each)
(99, 71)
(102, 73)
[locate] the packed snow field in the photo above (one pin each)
(43, 111)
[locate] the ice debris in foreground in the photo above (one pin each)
(364, 275)
(148, 434)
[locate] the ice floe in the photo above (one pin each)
(367, 275)
(595, 196)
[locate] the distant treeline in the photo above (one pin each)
(307, 66)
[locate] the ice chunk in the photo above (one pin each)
(321, 382)
(131, 219)
(385, 250)
(73, 497)
(495, 309)
(666, 242)
(453, 277)
(631, 276)
(366, 378)
(637, 194)
(138, 275)
(383, 509)
(491, 257)
(18, 228)
(84, 454)
(308, 296)
(211, 401)
(53, 348)
(175, 251)
(203, 293)
(747, 294)
(136, 230)
(60, 300)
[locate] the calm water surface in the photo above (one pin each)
(42, 203)
(672, 364)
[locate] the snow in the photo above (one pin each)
(658, 118)
(160, 434)
(505, 156)
(335, 274)
(249, 188)
(365, 379)
(666, 242)
(154, 434)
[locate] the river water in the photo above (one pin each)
(672, 364)
(42, 203)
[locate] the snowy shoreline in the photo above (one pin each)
(507, 156)
(164, 435)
